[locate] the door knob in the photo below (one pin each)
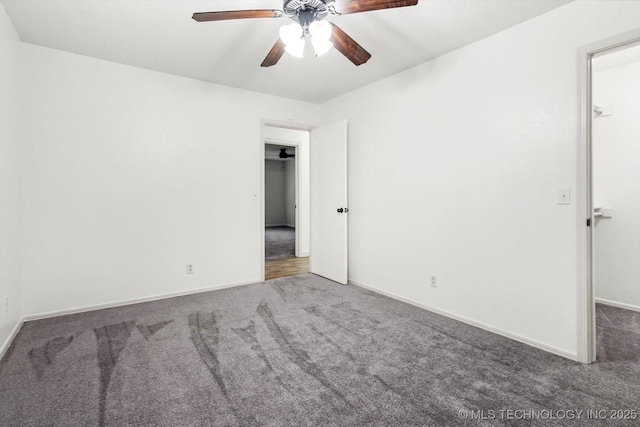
(340, 210)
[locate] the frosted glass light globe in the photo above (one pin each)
(320, 37)
(291, 33)
(321, 46)
(291, 36)
(320, 30)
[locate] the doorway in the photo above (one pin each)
(609, 198)
(615, 147)
(321, 233)
(286, 202)
(280, 203)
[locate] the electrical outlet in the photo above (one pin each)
(189, 268)
(6, 304)
(434, 281)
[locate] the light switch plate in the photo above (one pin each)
(564, 196)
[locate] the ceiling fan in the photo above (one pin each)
(284, 155)
(307, 17)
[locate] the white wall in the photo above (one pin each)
(131, 174)
(10, 196)
(276, 134)
(290, 192)
(274, 188)
(454, 170)
(616, 184)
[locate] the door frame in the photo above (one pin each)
(264, 140)
(586, 339)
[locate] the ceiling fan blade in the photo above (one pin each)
(274, 54)
(355, 6)
(236, 14)
(348, 46)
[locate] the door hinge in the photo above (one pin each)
(588, 222)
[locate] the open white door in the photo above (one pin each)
(329, 201)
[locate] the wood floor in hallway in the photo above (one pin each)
(285, 267)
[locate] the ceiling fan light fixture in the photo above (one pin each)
(321, 46)
(291, 33)
(296, 49)
(292, 37)
(320, 37)
(320, 30)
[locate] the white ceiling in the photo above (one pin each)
(160, 35)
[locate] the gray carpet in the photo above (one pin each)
(279, 243)
(299, 351)
(618, 334)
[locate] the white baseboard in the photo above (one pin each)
(7, 343)
(304, 254)
(132, 301)
(618, 304)
(510, 335)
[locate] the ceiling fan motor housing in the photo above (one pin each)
(304, 12)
